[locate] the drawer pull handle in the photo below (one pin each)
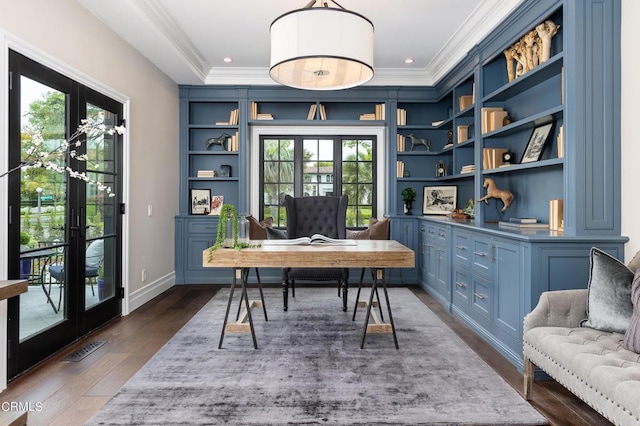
(480, 296)
(461, 284)
(443, 234)
(431, 232)
(480, 254)
(461, 247)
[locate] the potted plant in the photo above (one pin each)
(408, 196)
(25, 264)
(100, 281)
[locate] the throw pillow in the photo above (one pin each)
(632, 336)
(379, 229)
(361, 234)
(609, 306)
(276, 234)
(258, 230)
(635, 262)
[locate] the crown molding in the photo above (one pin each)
(484, 18)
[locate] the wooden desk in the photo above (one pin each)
(374, 254)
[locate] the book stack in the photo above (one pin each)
(469, 168)
(401, 116)
(233, 118)
(255, 115)
(556, 214)
(522, 223)
(233, 142)
(437, 123)
(378, 114)
(492, 118)
(400, 143)
(206, 173)
(400, 168)
(463, 132)
(368, 116)
(560, 142)
(492, 157)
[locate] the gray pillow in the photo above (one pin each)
(276, 234)
(632, 336)
(609, 306)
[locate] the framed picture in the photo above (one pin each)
(200, 201)
(439, 199)
(217, 201)
(536, 144)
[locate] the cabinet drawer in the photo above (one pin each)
(438, 233)
(481, 298)
(461, 247)
(481, 254)
(209, 227)
(461, 287)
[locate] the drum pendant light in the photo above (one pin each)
(321, 48)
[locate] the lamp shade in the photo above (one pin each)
(321, 48)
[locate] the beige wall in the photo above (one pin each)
(630, 128)
(75, 39)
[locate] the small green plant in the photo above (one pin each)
(25, 238)
(408, 194)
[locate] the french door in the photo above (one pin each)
(64, 233)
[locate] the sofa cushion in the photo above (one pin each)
(635, 262)
(360, 234)
(258, 229)
(632, 336)
(609, 306)
(379, 229)
(276, 234)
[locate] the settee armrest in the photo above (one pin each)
(560, 308)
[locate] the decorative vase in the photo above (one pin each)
(407, 207)
(101, 289)
(228, 238)
(243, 230)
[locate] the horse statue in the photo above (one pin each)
(220, 140)
(493, 192)
(419, 141)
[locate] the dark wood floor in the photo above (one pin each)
(70, 393)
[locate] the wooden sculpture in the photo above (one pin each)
(493, 192)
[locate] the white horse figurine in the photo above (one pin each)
(493, 192)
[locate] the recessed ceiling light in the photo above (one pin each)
(228, 59)
(408, 61)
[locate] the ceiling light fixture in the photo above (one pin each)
(227, 59)
(321, 48)
(408, 61)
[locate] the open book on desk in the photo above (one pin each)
(315, 239)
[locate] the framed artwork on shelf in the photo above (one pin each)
(200, 201)
(536, 144)
(217, 201)
(439, 199)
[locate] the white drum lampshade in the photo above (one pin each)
(321, 48)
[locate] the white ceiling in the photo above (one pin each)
(188, 39)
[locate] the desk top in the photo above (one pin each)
(365, 254)
(12, 288)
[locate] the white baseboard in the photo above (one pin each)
(151, 290)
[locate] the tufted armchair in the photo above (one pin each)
(316, 215)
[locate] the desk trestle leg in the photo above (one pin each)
(378, 326)
(240, 326)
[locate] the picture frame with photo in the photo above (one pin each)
(537, 142)
(200, 201)
(439, 200)
(217, 201)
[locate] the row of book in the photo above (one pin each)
(492, 157)
(233, 118)
(313, 109)
(399, 168)
(255, 115)
(378, 114)
(401, 117)
(560, 142)
(556, 214)
(400, 143)
(234, 142)
(493, 118)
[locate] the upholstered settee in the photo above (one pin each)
(587, 340)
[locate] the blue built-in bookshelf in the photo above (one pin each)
(489, 277)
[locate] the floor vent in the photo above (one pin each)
(84, 351)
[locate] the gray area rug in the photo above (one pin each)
(309, 369)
